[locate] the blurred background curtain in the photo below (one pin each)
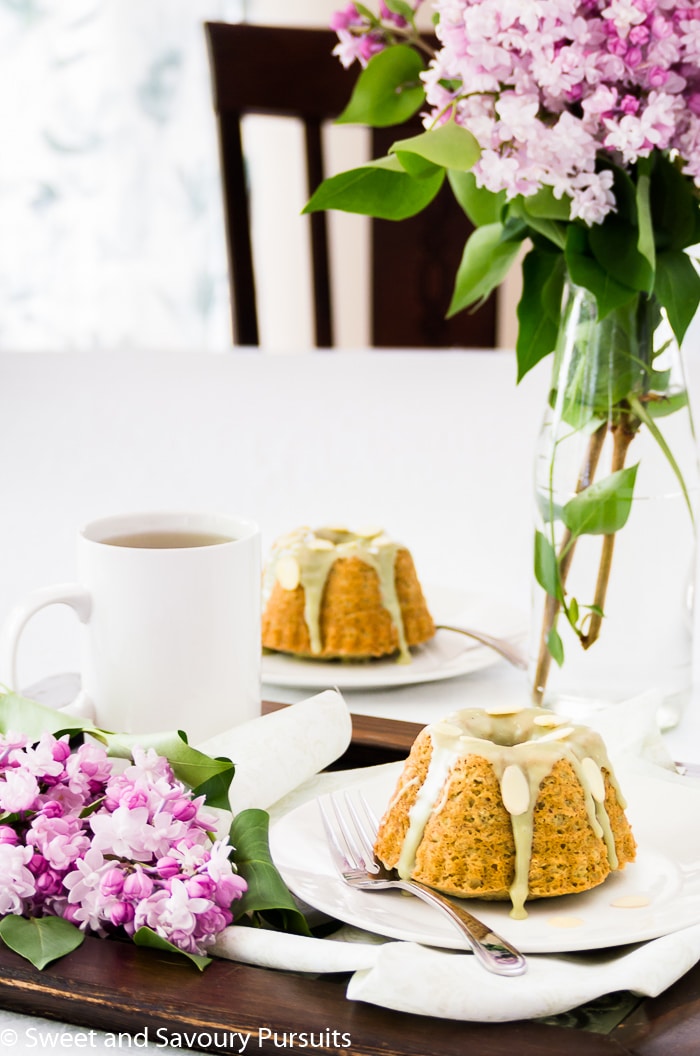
(111, 230)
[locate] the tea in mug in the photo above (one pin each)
(166, 540)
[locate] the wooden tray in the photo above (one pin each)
(117, 987)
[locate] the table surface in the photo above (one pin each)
(434, 446)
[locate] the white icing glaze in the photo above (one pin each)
(425, 802)
(522, 752)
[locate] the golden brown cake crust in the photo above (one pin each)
(468, 848)
(353, 622)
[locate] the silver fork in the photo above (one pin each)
(351, 835)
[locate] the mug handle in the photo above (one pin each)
(62, 593)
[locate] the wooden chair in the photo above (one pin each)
(292, 72)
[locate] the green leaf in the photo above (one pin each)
(147, 937)
(642, 413)
(614, 247)
(645, 242)
(678, 289)
(586, 271)
(545, 205)
(389, 89)
(555, 646)
(544, 214)
(553, 230)
(381, 188)
(665, 405)
(19, 713)
(539, 308)
(449, 146)
(202, 773)
(604, 506)
(401, 7)
(481, 206)
(486, 260)
(366, 13)
(267, 900)
(625, 192)
(40, 940)
(546, 570)
(674, 206)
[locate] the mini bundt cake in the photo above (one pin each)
(332, 593)
(496, 806)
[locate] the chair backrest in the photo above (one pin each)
(292, 72)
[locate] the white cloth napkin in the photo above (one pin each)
(276, 753)
(448, 984)
(430, 982)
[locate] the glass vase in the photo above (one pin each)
(616, 480)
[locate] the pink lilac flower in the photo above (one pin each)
(359, 37)
(88, 769)
(173, 914)
(110, 850)
(18, 790)
(9, 742)
(45, 760)
(60, 840)
(548, 88)
(17, 883)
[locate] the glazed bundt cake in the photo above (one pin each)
(496, 806)
(331, 593)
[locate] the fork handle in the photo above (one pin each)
(508, 651)
(493, 952)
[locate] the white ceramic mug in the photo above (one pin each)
(170, 607)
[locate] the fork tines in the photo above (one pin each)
(350, 831)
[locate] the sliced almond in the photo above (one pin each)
(382, 540)
(320, 544)
(504, 709)
(631, 901)
(594, 779)
(288, 572)
(369, 533)
(565, 922)
(549, 719)
(515, 790)
(447, 728)
(556, 735)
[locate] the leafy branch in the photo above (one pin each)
(638, 250)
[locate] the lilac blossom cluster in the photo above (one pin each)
(550, 88)
(111, 850)
(360, 37)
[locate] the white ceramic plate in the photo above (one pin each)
(444, 656)
(667, 872)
